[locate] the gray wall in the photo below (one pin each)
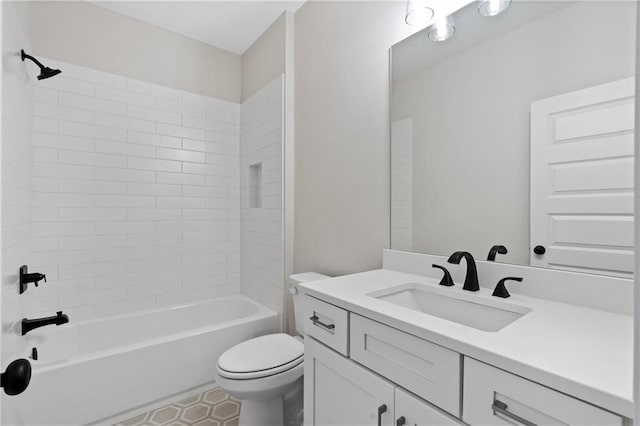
(471, 176)
(265, 59)
(342, 133)
(82, 33)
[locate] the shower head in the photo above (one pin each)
(45, 72)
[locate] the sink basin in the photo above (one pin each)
(466, 309)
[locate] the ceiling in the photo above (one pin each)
(230, 25)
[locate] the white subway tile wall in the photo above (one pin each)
(17, 181)
(136, 195)
(261, 135)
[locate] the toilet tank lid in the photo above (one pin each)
(306, 277)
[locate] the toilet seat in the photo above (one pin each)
(263, 387)
(261, 357)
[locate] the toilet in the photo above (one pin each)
(265, 373)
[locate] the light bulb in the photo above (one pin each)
(492, 7)
(418, 12)
(442, 29)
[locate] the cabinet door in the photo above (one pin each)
(339, 392)
(413, 411)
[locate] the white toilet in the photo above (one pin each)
(265, 373)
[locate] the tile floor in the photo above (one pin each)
(212, 408)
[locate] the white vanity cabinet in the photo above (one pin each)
(339, 392)
(361, 372)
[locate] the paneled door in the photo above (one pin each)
(582, 180)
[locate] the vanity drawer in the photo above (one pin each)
(424, 368)
(495, 397)
(328, 324)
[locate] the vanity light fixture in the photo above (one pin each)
(442, 29)
(492, 7)
(418, 12)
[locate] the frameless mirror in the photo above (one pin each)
(518, 131)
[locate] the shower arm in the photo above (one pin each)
(24, 56)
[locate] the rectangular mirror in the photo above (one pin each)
(518, 132)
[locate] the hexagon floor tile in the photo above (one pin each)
(212, 408)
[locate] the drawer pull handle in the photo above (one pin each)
(501, 408)
(401, 421)
(316, 321)
(381, 410)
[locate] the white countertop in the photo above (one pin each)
(585, 353)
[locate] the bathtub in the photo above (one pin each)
(95, 370)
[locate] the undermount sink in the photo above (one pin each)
(465, 309)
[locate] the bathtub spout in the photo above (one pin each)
(30, 324)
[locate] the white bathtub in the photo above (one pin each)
(97, 369)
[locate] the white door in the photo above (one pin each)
(413, 411)
(582, 180)
(340, 392)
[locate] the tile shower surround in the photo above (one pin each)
(261, 129)
(17, 86)
(136, 194)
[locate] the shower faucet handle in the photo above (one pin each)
(26, 278)
(35, 278)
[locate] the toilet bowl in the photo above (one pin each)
(266, 372)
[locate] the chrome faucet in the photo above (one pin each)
(30, 324)
(471, 279)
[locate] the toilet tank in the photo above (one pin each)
(294, 280)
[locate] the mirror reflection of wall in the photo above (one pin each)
(462, 134)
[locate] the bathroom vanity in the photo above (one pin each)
(378, 352)
(514, 138)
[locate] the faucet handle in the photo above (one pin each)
(38, 276)
(26, 278)
(501, 289)
(497, 249)
(446, 278)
